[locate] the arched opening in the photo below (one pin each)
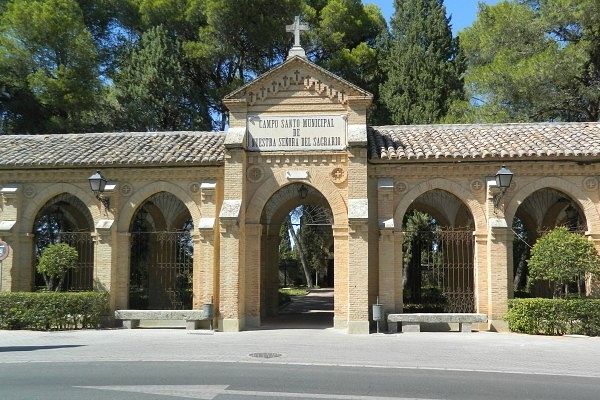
(297, 253)
(160, 271)
(66, 219)
(438, 255)
(542, 211)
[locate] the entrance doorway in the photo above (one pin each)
(297, 259)
(161, 255)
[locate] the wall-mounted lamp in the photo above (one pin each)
(303, 191)
(98, 185)
(504, 178)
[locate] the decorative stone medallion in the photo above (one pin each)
(126, 189)
(194, 187)
(400, 187)
(29, 191)
(338, 175)
(254, 174)
(476, 185)
(590, 183)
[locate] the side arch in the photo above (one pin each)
(33, 206)
(318, 181)
(589, 209)
(128, 209)
(454, 188)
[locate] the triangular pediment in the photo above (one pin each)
(297, 73)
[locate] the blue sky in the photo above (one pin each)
(463, 12)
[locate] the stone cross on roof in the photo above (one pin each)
(296, 28)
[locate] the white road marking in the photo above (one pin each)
(209, 392)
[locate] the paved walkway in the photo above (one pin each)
(313, 311)
(576, 356)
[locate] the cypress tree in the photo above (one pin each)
(421, 64)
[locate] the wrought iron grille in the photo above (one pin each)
(161, 270)
(82, 276)
(441, 262)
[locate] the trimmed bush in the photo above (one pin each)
(554, 316)
(56, 260)
(52, 310)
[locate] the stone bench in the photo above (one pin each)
(412, 322)
(131, 318)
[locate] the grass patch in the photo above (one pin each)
(285, 294)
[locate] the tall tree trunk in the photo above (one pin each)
(301, 254)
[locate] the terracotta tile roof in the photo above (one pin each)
(106, 149)
(423, 142)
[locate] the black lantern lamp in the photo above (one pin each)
(303, 191)
(504, 178)
(98, 185)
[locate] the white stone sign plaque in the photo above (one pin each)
(289, 133)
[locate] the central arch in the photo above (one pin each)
(296, 212)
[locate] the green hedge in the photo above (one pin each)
(554, 316)
(52, 310)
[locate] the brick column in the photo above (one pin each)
(121, 289)
(252, 275)
(593, 283)
(499, 260)
(340, 277)
(358, 267)
(480, 262)
(6, 271)
(105, 271)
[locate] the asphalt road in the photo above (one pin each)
(246, 380)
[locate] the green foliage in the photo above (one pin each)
(421, 64)
(48, 67)
(534, 60)
(52, 311)
(562, 257)
(154, 90)
(554, 316)
(55, 262)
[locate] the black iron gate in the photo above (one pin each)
(82, 276)
(161, 270)
(439, 270)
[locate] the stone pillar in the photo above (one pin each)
(253, 275)
(105, 271)
(499, 261)
(340, 277)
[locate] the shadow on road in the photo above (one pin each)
(7, 349)
(313, 311)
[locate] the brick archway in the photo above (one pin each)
(454, 188)
(279, 180)
(35, 205)
(128, 210)
(591, 213)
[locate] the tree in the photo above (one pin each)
(154, 90)
(562, 258)
(54, 263)
(534, 60)
(48, 68)
(421, 64)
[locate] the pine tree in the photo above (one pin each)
(421, 64)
